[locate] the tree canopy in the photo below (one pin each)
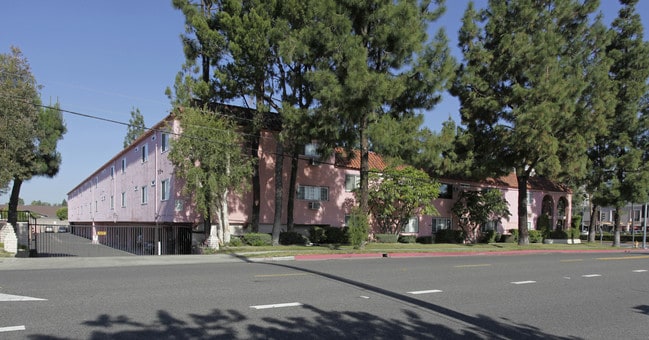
(136, 127)
(526, 88)
(476, 208)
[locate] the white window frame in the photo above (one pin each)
(352, 182)
(145, 153)
(144, 195)
(412, 226)
(312, 193)
(112, 171)
(123, 199)
(123, 165)
(165, 189)
(311, 150)
(444, 222)
(164, 142)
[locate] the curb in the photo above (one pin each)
(316, 257)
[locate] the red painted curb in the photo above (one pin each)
(308, 257)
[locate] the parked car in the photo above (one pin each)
(49, 229)
(63, 229)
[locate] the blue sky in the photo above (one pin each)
(104, 58)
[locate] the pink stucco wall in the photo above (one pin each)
(91, 200)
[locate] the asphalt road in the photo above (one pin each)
(540, 296)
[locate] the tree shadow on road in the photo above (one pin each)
(416, 319)
(642, 309)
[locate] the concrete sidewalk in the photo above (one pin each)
(14, 263)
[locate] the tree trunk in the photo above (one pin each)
(523, 234)
(616, 228)
(365, 166)
(279, 191)
(290, 219)
(12, 213)
(256, 186)
(594, 217)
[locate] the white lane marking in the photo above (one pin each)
(591, 275)
(277, 305)
(12, 328)
(640, 271)
(425, 291)
(8, 297)
(522, 282)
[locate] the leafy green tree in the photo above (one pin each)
(476, 208)
(62, 213)
(44, 159)
(19, 102)
(359, 228)
(398, 194)
(376, 59)
(208, 157)
(525, 89)
(621, 153)
(136, 127)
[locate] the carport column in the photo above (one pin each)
(95, 238)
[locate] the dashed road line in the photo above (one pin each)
(639, 270)
(591, 275)
(277, 305)
(12, 329)
(572, 260)
(282, 275)
(473, 265)
(624, 258)
(522, 282)
(8, 297)
(418, 292)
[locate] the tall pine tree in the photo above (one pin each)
(522, 89)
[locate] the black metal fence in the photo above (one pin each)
(87, 240)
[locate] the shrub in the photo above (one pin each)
(386, 238)
(430, 239)
(336, 235)
(317, 235)
(257, 239)
(235, 241)
(359, 228)
(407, 239)
(558, 234)
(490, 236)
(574, 233)
(449, 236)
(535, 236)
(543, 225)
(291, 237)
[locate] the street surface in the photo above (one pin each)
(539, 296)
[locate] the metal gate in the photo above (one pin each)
(89, 241)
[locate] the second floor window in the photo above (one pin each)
(145, 194)
(446, 191)
(145, 153)
(123, 199)
(164, 142)
(164, 190)
(352, 182)
(311, 193)
(123, 165)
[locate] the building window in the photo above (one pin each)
(112, 202)
(164, 142)
(164, 190)
(96, 206)
(412, 226)
(446, 191)
(636, 215)
(352, 182)
(145, 153)
(123, 165)
(530, 198)
(310, 193)
(123, 199)
(491, 225)
(311, 150)
(441, 224)
(112, 171)
(145, 194)
(603, 216)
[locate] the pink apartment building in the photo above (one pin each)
(135, 202)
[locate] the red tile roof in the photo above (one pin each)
(354, 162)
(534, 182)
